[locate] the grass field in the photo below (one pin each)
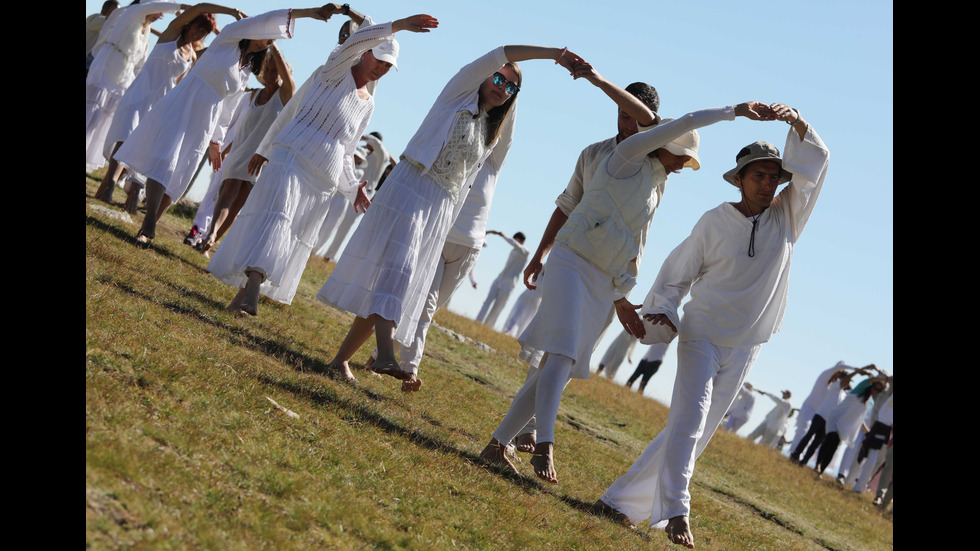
(205, 430)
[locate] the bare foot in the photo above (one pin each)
(525, 442)
(344, 368)
(412, 384)
(543, 462)
(679, 531)
(601, 508)
(494, 452)
(140, 238)
(392, 369)
(369, 366)
(250, 310)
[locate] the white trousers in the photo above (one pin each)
(500, 291)
(735, 422)
(708, 379)
(537, 399)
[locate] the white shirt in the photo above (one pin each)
(738, 300)
(656, 352)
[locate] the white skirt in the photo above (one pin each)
(574, 307)
(276, 229)
(391, 258)
(100, 106)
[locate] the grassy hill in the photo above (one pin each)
(206, 430)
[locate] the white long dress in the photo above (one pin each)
(171, 140)
(310, 158)
(159, 75)
(118, 56)
(252, 125)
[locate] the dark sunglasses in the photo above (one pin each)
(511, 88)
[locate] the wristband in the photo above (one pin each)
(797, 111)
(561, 55)
(345, 9)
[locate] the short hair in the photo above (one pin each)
(645, 93)
(377, 134)
(520, 236)
(109, 3)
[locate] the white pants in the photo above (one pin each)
(769, 437)
(538, 399)
(735, 422)
(500, 291)
(708, 379)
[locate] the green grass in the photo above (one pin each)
(184, 450)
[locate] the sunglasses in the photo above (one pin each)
(511, 88)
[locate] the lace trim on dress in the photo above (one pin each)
(460, 153)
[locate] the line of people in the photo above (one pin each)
(421, 232)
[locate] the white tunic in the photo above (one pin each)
(173, 137)
(159, 75)
(251, 126)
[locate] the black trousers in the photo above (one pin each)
(827, 450)
(818, 426)
(646, 369)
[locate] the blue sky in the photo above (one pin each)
(832, 60)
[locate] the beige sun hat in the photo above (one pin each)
(757, 151)
(686, 144)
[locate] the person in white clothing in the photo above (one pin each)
(768, 431)
(117, 57)
(171, 57)
(309, 159)
(254, 119)
(593, 264)
(93, 25)
(462, 247)
(874, 440)
(192, 119)
(620, 349)
(508, 277)
(389, 263)
(847, 419)
(524, 309)
(836, 387)
(340, 220)
(735, 265)
(741, 408)
(648, 366)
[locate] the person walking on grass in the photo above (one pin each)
(505, 282)
(593, 265)
(391, 258)
(735, 264)
(310, 159)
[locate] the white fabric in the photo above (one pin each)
(776, 417)
(275, 231)
(741, 301)
(338, 223)
(205, 209)
(504, 283)
(847, 417)
(821, 386)
(159, 75)
(118, 56)
(461, 155)
(93, 25)
(574, 307)
(538, 399)
(740, 410)
(835, 394)
(391, 258)
(253, 121)
(524, 309)
(886, 414)
(656, 352)
(173, 137)
(656, 485)
(620, 349)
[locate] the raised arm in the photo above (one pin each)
(626, 101)
(562, 56)
(172, 32)
(288, 86)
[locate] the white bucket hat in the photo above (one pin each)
(686, 144)
(387, 51)
(757, 151)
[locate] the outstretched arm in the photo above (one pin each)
(562, 56)
(173, 30)
(626, 101)
(288, 86)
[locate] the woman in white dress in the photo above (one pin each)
(192, 119)
(119, 54)
(387, 267)
(259, 114)
(171, 57)
(309, 150)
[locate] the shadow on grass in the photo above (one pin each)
(123, 235)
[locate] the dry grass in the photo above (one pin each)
(184, 450)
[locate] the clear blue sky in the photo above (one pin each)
(832, 60)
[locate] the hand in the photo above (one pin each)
(585, 70)
(569, 59)
(755, 110)
(361, 203)
(238, 14)
(627, 315)
(784, 112)
(420, 23)
(531, 273)
(256, 163)
(326, 10)
(214, 156)
(659, 319)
